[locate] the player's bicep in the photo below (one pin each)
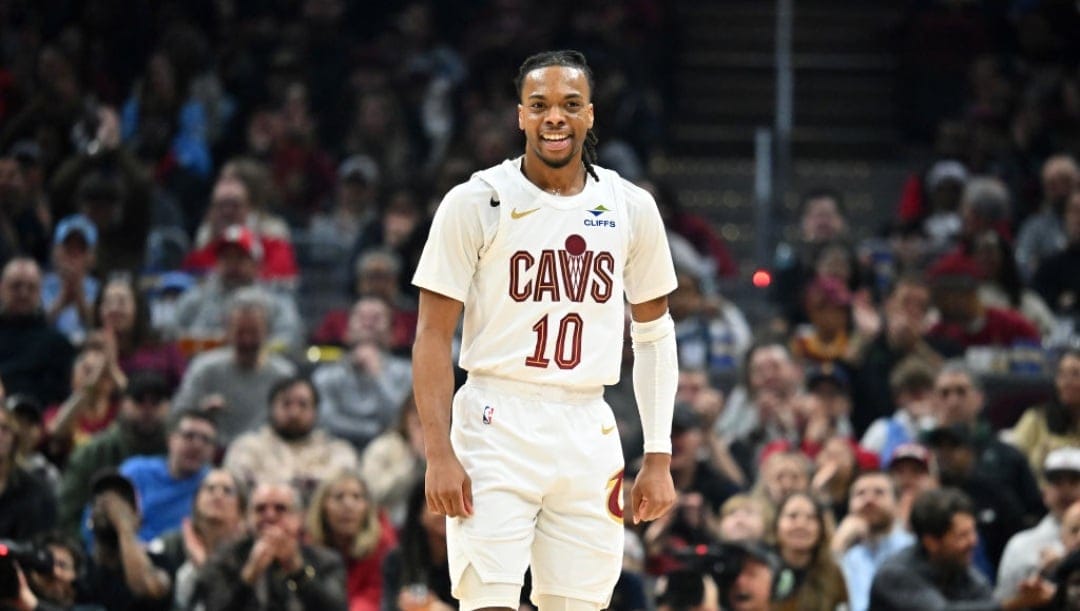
(650, 310)
(438, 315)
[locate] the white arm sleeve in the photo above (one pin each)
(656, 376)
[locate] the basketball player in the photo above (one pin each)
(539, 251)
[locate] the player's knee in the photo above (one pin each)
(550, 602)
(475, 595)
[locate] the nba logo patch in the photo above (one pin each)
(489, 413)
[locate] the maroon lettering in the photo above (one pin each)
(546, 277)
(605, 283)
(520, 262)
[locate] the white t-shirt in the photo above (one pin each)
(542, 276)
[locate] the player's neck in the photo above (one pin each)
(565, 181)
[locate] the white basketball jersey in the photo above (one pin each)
(543, 277)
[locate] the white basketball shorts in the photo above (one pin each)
(546, 469)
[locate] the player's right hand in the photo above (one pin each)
(448, 488)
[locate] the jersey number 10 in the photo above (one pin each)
(567, 344)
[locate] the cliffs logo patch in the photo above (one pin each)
(597, 211)
(489, 414)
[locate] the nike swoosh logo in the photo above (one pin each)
(606, 430)
(514, 214)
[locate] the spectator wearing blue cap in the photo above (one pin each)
(69, 290)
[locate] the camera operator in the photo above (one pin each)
(56, 585)
(752, 588)
(739, 576)
(15, 592)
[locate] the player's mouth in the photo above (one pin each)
(555, 142)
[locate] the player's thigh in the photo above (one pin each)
(497, 538)
(578, 549)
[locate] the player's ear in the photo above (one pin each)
(591, 116)
(521, 117)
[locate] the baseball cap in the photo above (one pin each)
(955, 270)
(1062, 460)
(110, 479)
(947, 169)
(76, 223)
(24, 404)
(359, 168)
(827, 372)
(913, 452)
(239, 235)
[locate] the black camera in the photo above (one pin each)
(30, 558)
(721, 561)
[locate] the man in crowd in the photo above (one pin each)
(936, 574)
(965, 321)
(201, 311)
(362, 392)
(291, 448)
(1024, 552)
(69, 290)
(167, 485)
(235, 379)
(120, 573)
(868, 535)
(752, 589)
(958, 402)
(34, 357)
(273, 568)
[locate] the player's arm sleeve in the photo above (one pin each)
(655, 379)
(455, 242)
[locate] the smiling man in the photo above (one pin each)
(937, 572)
(539, 254)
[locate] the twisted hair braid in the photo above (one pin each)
(570, 59)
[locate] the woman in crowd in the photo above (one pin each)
(96, 383)
(124, 322)
(217, 519)
(803, 529)
(343, 517)
(1044, 428)
(1002, 285)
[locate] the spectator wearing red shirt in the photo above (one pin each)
(230, 205)
(965, 321)
(343, 517)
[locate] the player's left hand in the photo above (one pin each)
(653, 493)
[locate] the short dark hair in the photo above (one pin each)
(570, 59)
(933, 511)
(194, 413)
(893, 487)
(288, 382)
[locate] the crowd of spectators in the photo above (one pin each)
(179, 432)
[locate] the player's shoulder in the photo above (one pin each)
(475, 191)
